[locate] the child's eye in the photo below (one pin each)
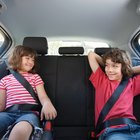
(106, 65)
(115, 66)
(27, 57)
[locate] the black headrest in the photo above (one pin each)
(71, 50)
(101, 51)
(38, 43)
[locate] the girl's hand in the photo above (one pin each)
(48, 111)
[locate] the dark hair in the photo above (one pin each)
(15, 57)
(120, 56)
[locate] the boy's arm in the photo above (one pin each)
(136, 69)
(94, 61)
(2, 100)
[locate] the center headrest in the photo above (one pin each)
(39, 44)
(71, 50)
(101, 51)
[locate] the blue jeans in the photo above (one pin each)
(10, 118)
(129, 132)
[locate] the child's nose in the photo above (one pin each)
(110, 69)
(31, 61)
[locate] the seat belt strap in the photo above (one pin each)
(115, 121)
(25, 83)
(111, 101)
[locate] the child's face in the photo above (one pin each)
(113, 70)
(27, 63)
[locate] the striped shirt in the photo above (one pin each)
(15, 92)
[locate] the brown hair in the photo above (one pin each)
(120, 56)
(15, 57)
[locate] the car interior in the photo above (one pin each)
(63, 33)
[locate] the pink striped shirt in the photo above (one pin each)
(16, 93)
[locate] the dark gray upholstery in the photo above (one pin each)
(101, 51)
(3, 69)
(67, 84)
(37, 43)
(71, 50)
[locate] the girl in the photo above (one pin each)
(23, 60)
(117, 67)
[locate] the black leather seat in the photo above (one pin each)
(67, 83)
(74, 95)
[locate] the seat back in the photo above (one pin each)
(67, 84)
(3, 69)
(74, 96)
(47, 64)
(39, 44)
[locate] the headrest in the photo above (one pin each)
(101, 51)
(71, 50)
(37, 43)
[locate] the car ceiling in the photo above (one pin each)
(112, 21)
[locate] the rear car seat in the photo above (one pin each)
(67, 83)
(74, 96)
(3, 69)
(47, 64)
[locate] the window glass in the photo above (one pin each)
(135, 43)
(1, 39)
(87, 45)
(5, 41)
(139, 40)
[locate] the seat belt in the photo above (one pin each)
(25, 83)
(111, 101)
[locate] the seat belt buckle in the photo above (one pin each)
(92, 134)
(48, 126)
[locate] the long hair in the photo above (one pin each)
(120, 56)
(15, 57)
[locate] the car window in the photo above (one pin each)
(5, 41)
(87, 45)
(139, 40)
(135, 44)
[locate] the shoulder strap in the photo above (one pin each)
(25, 83)
(111, 101)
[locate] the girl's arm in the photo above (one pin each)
(2, 100)
(136, 69)
(94, 60)
(48, 109)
